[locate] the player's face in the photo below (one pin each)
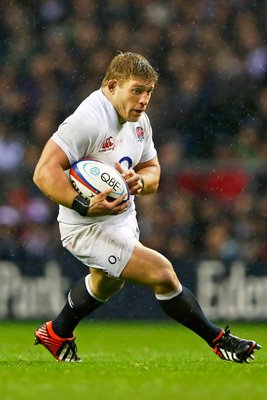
(131, 98)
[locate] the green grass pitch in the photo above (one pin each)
(129, 361)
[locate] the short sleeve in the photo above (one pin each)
(77, 136)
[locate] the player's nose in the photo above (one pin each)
(144, 99)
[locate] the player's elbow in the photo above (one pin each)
(39, 177)
(150, 186)
(156, 179)
(154, 186)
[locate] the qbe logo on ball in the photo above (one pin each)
(90, 177)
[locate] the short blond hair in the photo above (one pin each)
(128, 65)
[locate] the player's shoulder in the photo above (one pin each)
(97, 107)
(86, 116)
(90, 105)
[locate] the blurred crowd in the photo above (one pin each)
(208, 112)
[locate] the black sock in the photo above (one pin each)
(185, 309)
(80, 303)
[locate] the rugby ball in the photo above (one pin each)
(90, 177)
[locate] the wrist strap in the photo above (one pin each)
(81, 205)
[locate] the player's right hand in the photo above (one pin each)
(132, 179)
(99, 205)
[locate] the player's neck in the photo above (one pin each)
(106, 92)
(108, 95)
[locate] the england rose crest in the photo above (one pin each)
(140, 134)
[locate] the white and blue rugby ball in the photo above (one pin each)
(90, 177)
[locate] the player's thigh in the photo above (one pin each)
(149, 267)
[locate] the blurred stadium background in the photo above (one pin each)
(209, 114)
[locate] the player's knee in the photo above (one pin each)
(167, 278)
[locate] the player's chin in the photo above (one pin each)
(134, 116)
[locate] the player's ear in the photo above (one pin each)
(112, 84)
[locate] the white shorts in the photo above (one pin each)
(102, 245)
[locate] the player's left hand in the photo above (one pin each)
(133, 179)
(99, 205)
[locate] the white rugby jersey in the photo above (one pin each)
(94, 131)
